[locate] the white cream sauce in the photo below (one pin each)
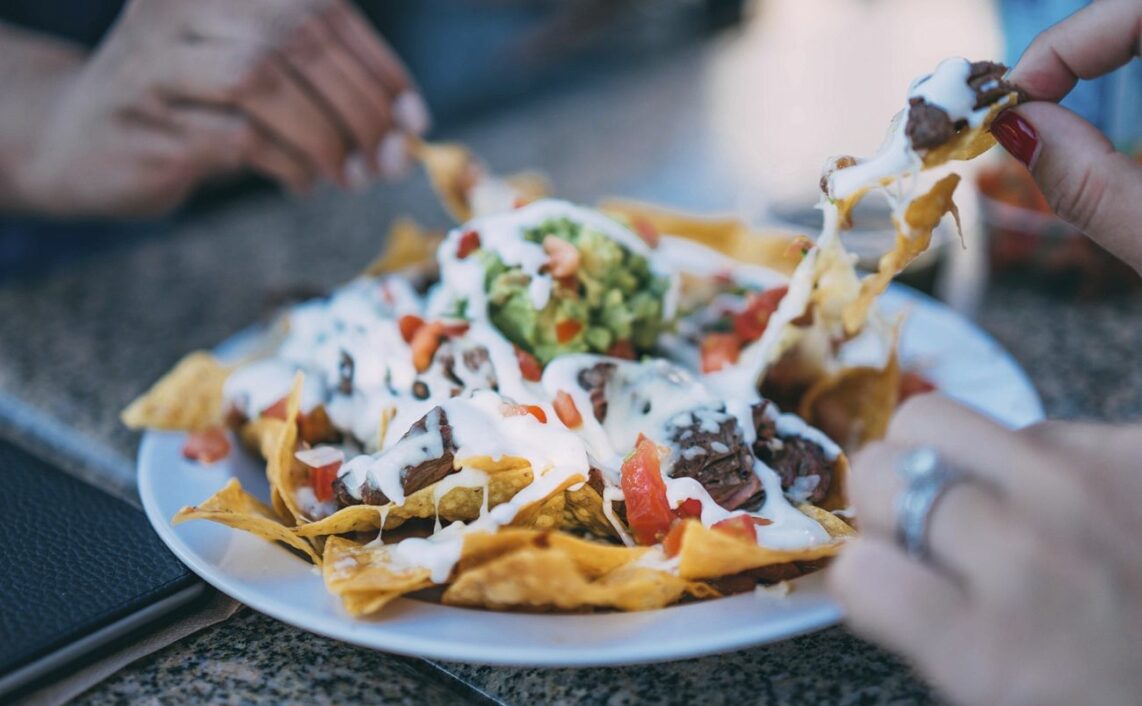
(651, 398)
(947, 87)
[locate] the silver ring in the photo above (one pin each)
(927, 478)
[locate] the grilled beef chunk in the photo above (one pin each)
(712, 451)
(929, 126)
(796, 460)
(594, 380)
(413, 478)
(986, 79)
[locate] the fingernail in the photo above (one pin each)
(392, 155)
(1017, 136)
(411, 112)
(356, 173)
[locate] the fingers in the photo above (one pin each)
(409, 109)
(225, 141)
(1088, 44)
(969, 526)
(891, 599)
(346, 89)
(1021, 470)
(1086, 182)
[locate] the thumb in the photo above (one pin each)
(1086, 182)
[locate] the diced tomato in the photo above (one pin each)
(528, 365)
(912, 384)
(567, 329)
(519, 410)
(409, 325)
(720, 350)
(566, 410)
(751, 321)
(621, 349)
(519, 202)
(562, 257)
(690, 507)
(424, 344)
(469, 243)
(206, 446)
(672, 544)
(648, 512)
(277, 410)
(646, 231)
(761, 521)
(739, 526)
(454, 328)
(322, 480)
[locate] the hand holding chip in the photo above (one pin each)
(1086, 182)
(1032, 592)
(182, 92)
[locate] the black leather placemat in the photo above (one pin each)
(73, 559)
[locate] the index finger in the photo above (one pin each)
(1094, 41)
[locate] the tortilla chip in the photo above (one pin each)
(854, 405)
(458, 503)
(285, 473)
(234, 507)
(364, 575)
(708, 553)
(188, 398)
(912, 238)
(728, 236)
(834, 525)
(545, 571)
(407, 245)
(531, 186)
(971, 143)
(584, 511)
(453, 170)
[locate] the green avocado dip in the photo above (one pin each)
(613, 303)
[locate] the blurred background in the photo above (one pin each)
(710, 105)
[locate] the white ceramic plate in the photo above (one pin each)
(961, 359)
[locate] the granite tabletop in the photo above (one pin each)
(78, 342)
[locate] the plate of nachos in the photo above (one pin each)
(571, 435)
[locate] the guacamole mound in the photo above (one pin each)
(613, 299)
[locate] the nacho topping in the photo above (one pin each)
(948, 107)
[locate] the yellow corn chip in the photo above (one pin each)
(708, 553)
(188, 398)
(364, 576)
(285, 473)
(854, 405)
(407, 245)
(234, 507)
(912, 239)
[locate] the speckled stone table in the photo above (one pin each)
(79, 342)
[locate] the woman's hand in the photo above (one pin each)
(180, 92)
(1033, 594)
(1085, 181)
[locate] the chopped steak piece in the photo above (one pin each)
(711, 450)
(806, 473)
(928, 125)
(986, 79)
(594, 380)
(413, 478)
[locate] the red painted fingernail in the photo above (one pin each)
(1016, 135)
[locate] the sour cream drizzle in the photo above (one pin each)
(947, 87)
(360, 322)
